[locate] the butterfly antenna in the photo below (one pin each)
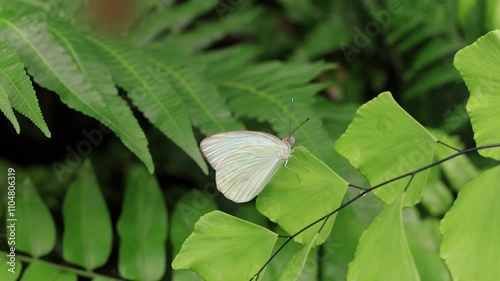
(308, 118)
(290, 119)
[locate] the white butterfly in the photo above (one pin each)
(245, 161)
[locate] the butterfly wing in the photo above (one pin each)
(245, 172)
(219, 146)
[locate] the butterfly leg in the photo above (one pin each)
(291, 156)
(286, 162)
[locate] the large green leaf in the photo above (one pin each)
(84, 212)
(301, 194)
(479, 65)
(37, 269)
(384, 142)
(142, 227)
(383, 252)
(156, 98)
(471, 229)
(35, 228)
(223, 247)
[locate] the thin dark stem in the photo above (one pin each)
(357, 187)
(449, 146)
(408, 184)
(365, 191)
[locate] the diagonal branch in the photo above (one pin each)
(355, 198)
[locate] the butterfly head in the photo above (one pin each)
(290, 140)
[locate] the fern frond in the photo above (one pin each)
(422, 32)
(154, 96)
(439, 49)
(116, 113)
(49, 64)
(204, 103)
(264, 91)
(226, 62)
(432, 79)
(17, 86)
(172, 18)
(207, 33)
(6, 108)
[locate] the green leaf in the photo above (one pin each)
(339, 249)
(205, 105)
(471, 229)
(36, 269)
(383, 252)
(142, 227)
(223, 247)
(50, 66)
(187, 212)
(7, 272)
(6, 108)
(384, 136)
(115, 113)
(424, 239)
(479, 66)
(301, 194)
(295, 266)
(437, 198)
(35, 228)
(464, 8)
(88, 233)
(186, 275)
(492, 11)
(154, 97)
